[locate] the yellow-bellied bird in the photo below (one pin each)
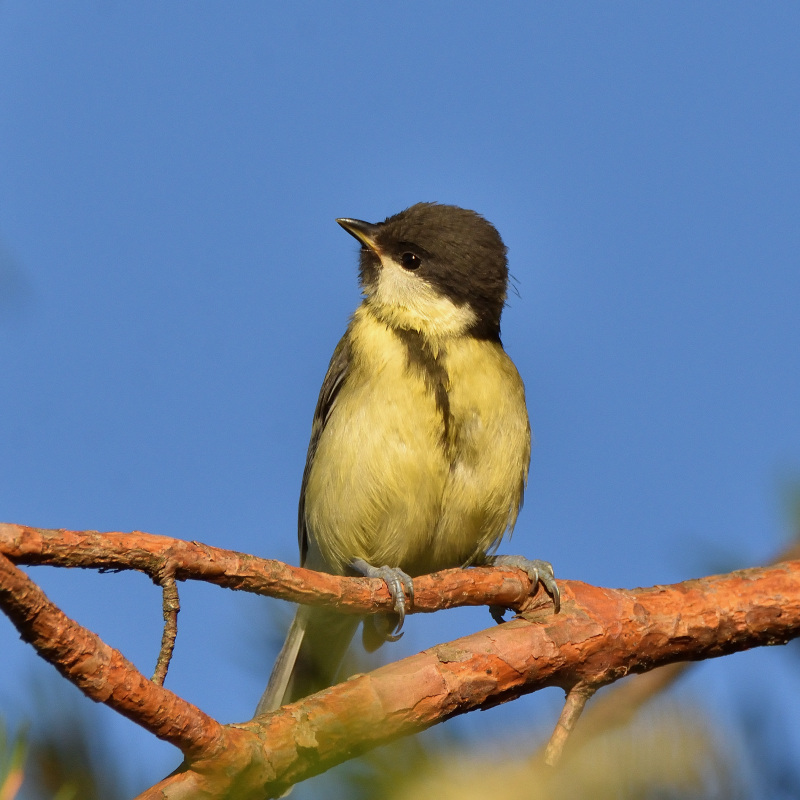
(420, 442)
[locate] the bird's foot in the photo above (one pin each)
(398, 583)
(538, 571)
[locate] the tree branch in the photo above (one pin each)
(617, 707)
(100, 671)
(600, 636)
(149, 553)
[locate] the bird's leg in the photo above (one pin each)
(538, 571)
(396, 581)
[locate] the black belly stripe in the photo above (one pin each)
(428, 366)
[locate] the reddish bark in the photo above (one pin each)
(600, 636)
(100, 671)
(153, 554)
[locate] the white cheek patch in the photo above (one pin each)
(405, 299)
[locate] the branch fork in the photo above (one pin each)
(599, 636)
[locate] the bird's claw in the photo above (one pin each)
(398, 583)
(538, 571)
(394, 637)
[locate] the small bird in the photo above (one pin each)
(420, 442)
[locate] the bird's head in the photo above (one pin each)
(434, 268)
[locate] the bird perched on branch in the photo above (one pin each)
(420, 442)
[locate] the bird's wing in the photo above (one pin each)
(334, 380)
(299, 668)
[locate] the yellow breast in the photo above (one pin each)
(386, 487)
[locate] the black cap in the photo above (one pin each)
(453, 249)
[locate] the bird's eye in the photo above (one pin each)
(410, 260)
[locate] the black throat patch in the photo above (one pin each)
(422, 360)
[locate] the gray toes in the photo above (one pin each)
(537, 570)
(398, 583)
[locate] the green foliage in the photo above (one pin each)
(12, 757)
(61, 754)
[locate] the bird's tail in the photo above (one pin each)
(310, 656)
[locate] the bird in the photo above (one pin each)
(420, 441)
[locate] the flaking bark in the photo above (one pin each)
(599, 636)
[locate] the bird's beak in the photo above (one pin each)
(365, 232)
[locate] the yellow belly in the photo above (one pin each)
(385, 487)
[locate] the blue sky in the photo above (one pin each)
(172, 284)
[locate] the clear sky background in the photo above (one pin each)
(172, 285)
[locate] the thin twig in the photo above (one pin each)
(171, 605)
(573, 706)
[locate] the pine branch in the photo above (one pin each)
(600, 636)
